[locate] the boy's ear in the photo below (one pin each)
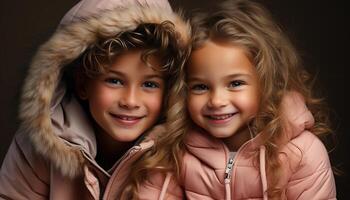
(81, 85)
(82, 93)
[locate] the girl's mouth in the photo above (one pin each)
(220, 119)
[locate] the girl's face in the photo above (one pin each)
(223, 89)
(127, 100)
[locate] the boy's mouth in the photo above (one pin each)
(126, 120)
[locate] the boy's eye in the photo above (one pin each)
(114, 81)
(199, 88)
(237, 83)
(150, 84)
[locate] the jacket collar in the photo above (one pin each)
(41, 94)
(296, 117)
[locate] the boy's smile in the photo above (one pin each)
(127, 100)
(126, 120)
(223, 92)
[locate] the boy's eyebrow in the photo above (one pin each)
(116, 72)
(154, 76)
(147, 76)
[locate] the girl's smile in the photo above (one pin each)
(223, 92)
(220, 119)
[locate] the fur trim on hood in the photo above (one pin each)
(68, 43)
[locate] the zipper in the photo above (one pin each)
(228, 175)
(232, 157)
(229, 167)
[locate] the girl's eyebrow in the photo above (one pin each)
(194, 79)
(230, 76)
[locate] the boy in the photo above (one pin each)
(92, 92)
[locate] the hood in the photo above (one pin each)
(86, 8)
(79, 29)
(297, 118)
(295, 115)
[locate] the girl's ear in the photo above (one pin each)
(81, 85)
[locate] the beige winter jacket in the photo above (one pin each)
(206, 174)
(52, 154)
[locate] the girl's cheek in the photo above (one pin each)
(195, 103)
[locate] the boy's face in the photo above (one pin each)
(223, 89)
(127, 100)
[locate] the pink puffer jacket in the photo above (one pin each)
(307, 173)
(53, 154)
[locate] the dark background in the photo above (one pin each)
(317, 28)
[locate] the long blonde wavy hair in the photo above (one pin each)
(247, 24)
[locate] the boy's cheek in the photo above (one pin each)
(102, 100)
(155, 103)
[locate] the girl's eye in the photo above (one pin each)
(199, 88)
(114, 81)
(237, 83)
(150, 84)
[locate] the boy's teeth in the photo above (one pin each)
(128, 118)
(125, 117)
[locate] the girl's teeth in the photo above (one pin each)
(221, 117)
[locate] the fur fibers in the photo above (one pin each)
(67, 44)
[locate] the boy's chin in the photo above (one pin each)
(127, 135)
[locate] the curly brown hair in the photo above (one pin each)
(154, 40)
(161, 41)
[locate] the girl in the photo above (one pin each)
(92, 92)
(254, 120)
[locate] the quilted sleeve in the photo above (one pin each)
(314, 177)
(23, 174)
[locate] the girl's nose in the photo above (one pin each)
(129, 99)
(217, 99)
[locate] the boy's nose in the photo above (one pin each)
(129, 100)
(217, 99)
